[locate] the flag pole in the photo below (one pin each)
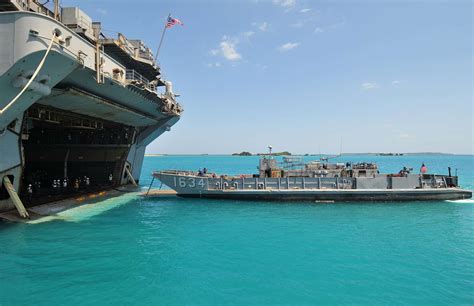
(162, 36)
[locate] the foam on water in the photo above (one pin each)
(466, 201)
(88, 210)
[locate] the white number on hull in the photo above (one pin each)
(201, 183)
(191, 182)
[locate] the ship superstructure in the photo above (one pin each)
(77, 109)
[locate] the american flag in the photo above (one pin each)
(173, 21)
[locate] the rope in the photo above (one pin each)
(32, 78)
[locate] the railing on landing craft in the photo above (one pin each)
(133, 77)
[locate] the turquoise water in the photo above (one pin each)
(130, 250)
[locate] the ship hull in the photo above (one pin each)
(68, 126)
(337, 195)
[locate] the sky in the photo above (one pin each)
(309, 76)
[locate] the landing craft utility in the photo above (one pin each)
(316, 181)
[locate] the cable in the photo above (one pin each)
(32, 78)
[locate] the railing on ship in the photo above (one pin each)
(35, 6)
(131, 76)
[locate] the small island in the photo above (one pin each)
(390, 154)
(244, 153)
(284, 153)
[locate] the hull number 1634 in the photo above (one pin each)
(188, 182)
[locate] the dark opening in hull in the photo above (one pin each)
(67, 154)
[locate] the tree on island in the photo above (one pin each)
(284, 153)
(244, 153)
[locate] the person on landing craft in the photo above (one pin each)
(423, 169)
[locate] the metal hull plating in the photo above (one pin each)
(67, 87)
(337, 195)
(378, 188)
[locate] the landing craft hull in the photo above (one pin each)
(340, 189)
(337, 195)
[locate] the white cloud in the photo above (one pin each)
(305, 10)
(369, 85)
(338, 24)
(407, 136)
(227, 49)
(262, 26)
(298, 24)
(214, 65)
(288, 46)
(101, 11)
(228, 46)
(396, 82)
(306, 21)
(285, 3)
(318, 30)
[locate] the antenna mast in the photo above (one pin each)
(340, 147)
(56, 9)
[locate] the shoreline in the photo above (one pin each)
(309, 154)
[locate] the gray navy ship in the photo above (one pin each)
(315, 181)
(77, 108)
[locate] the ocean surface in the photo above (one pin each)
(171, 251)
